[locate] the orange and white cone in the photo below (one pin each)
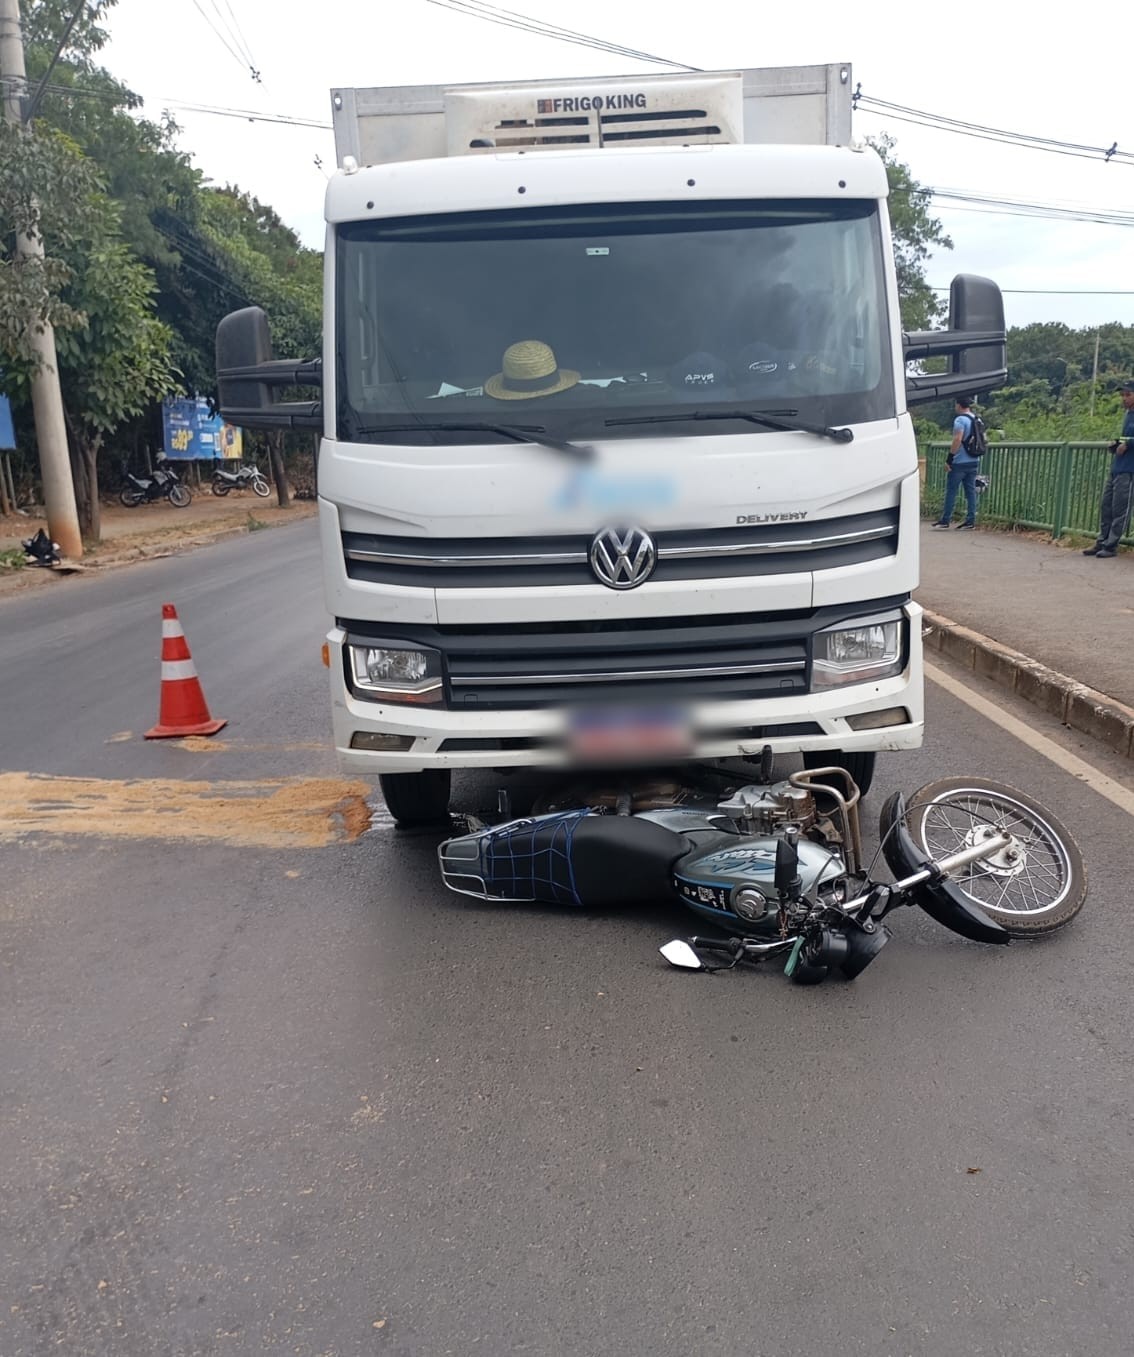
(183, 707)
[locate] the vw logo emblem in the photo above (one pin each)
(623, 558)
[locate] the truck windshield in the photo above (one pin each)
(587, 319)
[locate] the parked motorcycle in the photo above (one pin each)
(243, 478)
(779, 866)
(163, 484)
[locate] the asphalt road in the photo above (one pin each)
(301, 1100)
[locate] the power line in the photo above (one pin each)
(1024, 140)
(225, 40)
(963, 124)
(248, 114)
(507, 18)
(1071, 218)
(1055, 292)
(945, 199)
(237, 35)
(34, 102)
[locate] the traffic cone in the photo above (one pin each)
(183, 707)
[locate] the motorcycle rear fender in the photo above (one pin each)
(941, 899)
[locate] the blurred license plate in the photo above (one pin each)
(609, 734)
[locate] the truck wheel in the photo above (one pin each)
(860, 765)
(417, 798)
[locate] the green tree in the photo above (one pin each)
(113, 352)
(916, 233)
(112, 368)
(1054, 353)
(43, 191)
(203, 251)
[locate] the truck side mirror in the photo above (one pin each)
(975, 344)
(246, 372)
(976, 306)
(244, 340)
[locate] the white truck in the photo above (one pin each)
(616, 458)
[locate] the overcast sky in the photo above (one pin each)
(1002, 65)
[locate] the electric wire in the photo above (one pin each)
(1024, 140)
(223, 38)
(233, 26)
(507, 18)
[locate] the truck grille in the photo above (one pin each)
(532, 665)
(541, 562)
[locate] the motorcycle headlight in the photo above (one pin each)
(396, 674)
(869, 650)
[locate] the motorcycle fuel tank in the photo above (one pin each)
(730, 877)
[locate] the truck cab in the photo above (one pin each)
(616, 457)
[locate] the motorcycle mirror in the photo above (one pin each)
(679, 953)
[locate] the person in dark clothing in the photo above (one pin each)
(962, 467)
(1118, 497)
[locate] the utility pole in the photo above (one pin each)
(47, 400)
(1095, 375)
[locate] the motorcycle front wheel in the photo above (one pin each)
(221, 488)
(261, 487)
(130, 498)
(1036, 884)
(180, 496)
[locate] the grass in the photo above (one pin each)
(12, 559)
(255, 524)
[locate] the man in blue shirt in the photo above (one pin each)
(963, 467)
(1114, 512)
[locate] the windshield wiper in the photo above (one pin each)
(522, 433)
(784, 420)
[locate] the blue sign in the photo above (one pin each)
(193, 435)
(7, 432)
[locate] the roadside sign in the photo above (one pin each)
(191, 434)
(7, 431)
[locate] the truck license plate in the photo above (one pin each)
(620, 733)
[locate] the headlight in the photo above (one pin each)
(394, 674)
(871, 650)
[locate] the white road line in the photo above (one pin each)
(1122, 797)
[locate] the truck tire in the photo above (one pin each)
(860, 764)
(417, 798)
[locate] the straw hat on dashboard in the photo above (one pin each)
(530, 370)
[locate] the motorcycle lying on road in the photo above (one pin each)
(163, 484)
(778, 867)
(243, 478)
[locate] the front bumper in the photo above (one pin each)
(524, 738)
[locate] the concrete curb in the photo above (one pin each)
(1077, 706)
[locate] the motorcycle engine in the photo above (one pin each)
(730, 877)
(771, 810)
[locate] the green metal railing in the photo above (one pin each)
(1048, 487)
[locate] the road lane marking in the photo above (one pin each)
(1122, 797)
(270, 813)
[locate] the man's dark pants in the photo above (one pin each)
(1114, 514)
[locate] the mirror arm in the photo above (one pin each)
(918, 344)
(278, 372)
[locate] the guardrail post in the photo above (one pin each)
(1062, 491)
